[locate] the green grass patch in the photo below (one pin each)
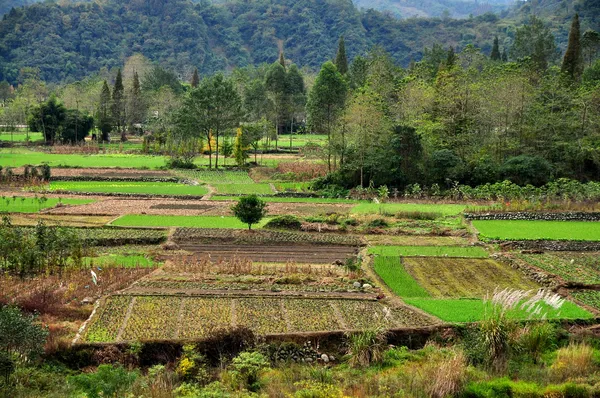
(292, 186)
(472, 310)
(18, 158)
(430, 251)
(20, 136)
(217, 176)
(142, 220)
(393, 208)
(21, 204)
(391, 270)
(531, 230)
(120, 260)
(243, 189)
(278, 199)
(133, 187)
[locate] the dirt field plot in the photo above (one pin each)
(461, 277)
(262, 237)
(144, 318)
(176, 207)
(274, 253)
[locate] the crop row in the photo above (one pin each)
(572, 267)
(210, 235)
(114, 236)
(127, 318)
(588, 297)
(255, 284)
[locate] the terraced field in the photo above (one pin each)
(570, 266)
(311, 254)
(533, 230)
(460, 277)
(129, 187)
(145, 318)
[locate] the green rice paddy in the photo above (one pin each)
(430, 251)
(135, 187)
(532, 230)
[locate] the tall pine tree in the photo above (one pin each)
(495, 55)
(282, 59)
(118, 105)
(103, 115)
(135, 109)
(341, 61)
(572, 64)
(195, 79)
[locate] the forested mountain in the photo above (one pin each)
(435, 8)
(68, 42)
(6, 5)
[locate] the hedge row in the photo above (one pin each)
(536, 216)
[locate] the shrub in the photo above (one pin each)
(180, 163)
(107, 381)
(246, 369)
(377, 223)
(284, 222)
(20, 335)
(537, 338)
(526, 169)
(367, 347)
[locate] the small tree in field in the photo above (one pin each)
(250, 210)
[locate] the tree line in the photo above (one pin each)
(519, 113)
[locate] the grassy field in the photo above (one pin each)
(530, 230)
(243, 189)
(430, 251)
(394, 275)
(14, 204)
(152, 188)
(119, 260)
(20, 136)
(393, 208)
(17, 158)
(217, 176)
(472, 310)
(291, 186)
(464, 277)
(135, 220)
(277, 199)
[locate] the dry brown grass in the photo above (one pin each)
(203, 264)
(447, 376)
(573, 361)
(303, 171)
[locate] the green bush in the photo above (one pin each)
(284, 222)
(525, 170)
(107, 381)
(246, 369)
(377, 223)
(502, 388)
(537, 339)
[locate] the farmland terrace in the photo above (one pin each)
(173, 263)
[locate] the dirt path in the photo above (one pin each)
(211, 192)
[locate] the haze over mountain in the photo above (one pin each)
(67, 42)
